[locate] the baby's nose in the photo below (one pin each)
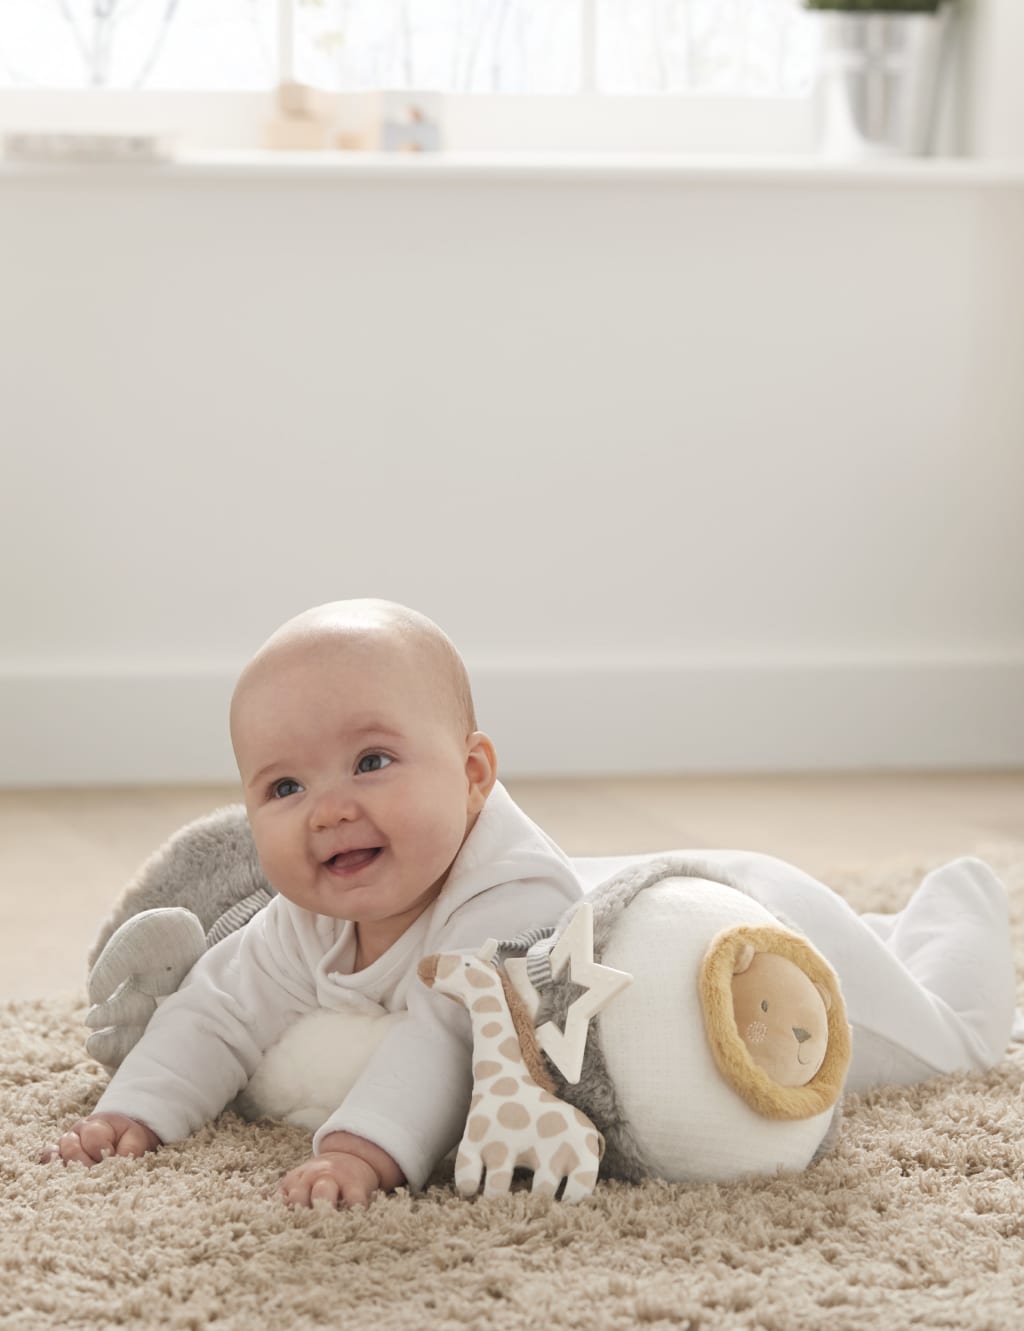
(333, 808)
(801, 1034)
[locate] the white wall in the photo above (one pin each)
(992, 45)
(702, 468)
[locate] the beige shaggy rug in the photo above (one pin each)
(917, 1220)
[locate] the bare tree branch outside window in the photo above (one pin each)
(764, 47)
(649, 47)
(722, 47)
(181, 44)
(485, 46)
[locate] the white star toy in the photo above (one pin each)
(575, 948)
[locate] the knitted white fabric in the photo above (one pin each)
(692, 1126)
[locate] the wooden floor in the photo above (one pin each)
(65, 854)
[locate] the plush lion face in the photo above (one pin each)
(781, 1016)
(775, 1021)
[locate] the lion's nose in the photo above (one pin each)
(801, 1034)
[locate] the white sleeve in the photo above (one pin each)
(413, 1097)
(206, 1040)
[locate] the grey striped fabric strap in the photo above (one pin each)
(238, 914)
(535, 945)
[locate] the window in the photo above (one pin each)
(481, 46)
(734, 68)
(179, 44)
(459, 46)
(760, 47)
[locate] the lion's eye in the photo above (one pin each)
(764, 1005)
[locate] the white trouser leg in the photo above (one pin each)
(928, 990)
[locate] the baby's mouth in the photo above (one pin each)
(348, 860)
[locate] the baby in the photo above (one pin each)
(377, 816)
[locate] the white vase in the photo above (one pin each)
(878, 83)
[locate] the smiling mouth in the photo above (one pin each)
(351, 861)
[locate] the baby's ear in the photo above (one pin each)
(481, 769)
(826, 997)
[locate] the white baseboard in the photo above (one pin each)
(558, 719)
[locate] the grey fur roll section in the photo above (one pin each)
(207, 866)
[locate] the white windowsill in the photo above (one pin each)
(548, 167)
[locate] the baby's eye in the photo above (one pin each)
(372, 762)
(764, 1005)
(280, 789)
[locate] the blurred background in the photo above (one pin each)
(676, 372)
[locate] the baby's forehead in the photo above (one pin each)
(400, 661)
(358, 677)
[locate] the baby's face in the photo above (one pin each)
(357, 782)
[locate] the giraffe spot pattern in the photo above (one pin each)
(486, 1068)
(492, 1029)
(504, 1086)
(564, 1160)
(486, 1003)
(510, 1049)
(476, 1128)
(513, 1116)
(494, 1154)
(529, 1159)
(592, 1143)
(550, 1099)
(481, 979)
(551, 1124)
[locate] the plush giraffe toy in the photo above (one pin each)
(515, 1119)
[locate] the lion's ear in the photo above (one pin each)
(744, 959)
(826, 997)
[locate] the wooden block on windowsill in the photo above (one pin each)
(302, 101)
(291, 132)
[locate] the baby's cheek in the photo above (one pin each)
(283, 862)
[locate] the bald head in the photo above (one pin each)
(366, 629)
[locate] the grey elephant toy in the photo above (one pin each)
(202, 884)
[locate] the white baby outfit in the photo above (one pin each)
(204, 1043)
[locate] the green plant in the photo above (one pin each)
(878, 6)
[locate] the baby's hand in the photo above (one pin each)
(347, 1172)
(334, 1177)
(92, 1139)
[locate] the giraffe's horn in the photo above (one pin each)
(487, 950)
(427, 970)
